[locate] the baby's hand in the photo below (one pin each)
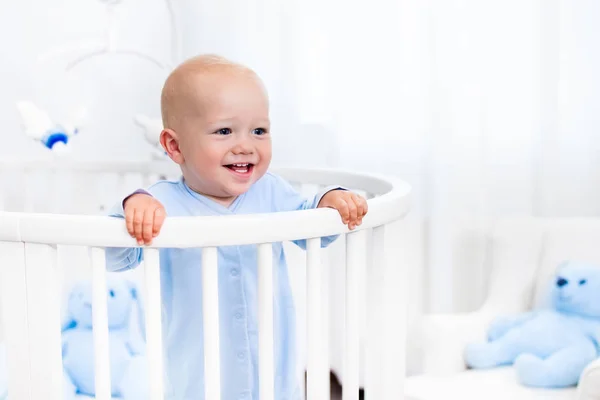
(144, 216)
(351, 206)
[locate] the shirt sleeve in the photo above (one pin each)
(286, 198)
(123, 258)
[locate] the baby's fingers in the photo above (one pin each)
(148, 227)
(361, 208)
(129, 213)
(138, 225)
(342, 207)
(352, 213)
(159, 218)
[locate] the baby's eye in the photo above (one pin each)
(112, 293)
(582, 282)
(224, 131)
(259, 131)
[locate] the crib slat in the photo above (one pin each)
(100, 325)
(43, 300)
(395, 301)
(210, 309)
(154, 323)
(317, 360)
(374, 344)
(265, 322)
(355, 264)
(16, 329)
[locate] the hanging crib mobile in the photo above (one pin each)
(56, 135)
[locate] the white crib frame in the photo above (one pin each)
(32, 309)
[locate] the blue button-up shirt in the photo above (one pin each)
(181, 283)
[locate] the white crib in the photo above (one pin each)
(68, 199)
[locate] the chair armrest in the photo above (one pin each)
(589, 384)
(444, 337)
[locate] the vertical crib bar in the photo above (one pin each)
(43, 301)
(317, 365)
(210, 308)
(394, 301)
(265, 322)
(374, 345)
(355, 264)
(100, 325)
(154, 323)
(325, 292)
(13, 280)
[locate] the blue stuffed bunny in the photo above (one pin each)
(549, 347)
(127, 362)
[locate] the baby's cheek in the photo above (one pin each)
(206, 163)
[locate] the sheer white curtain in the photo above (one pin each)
(487, 108)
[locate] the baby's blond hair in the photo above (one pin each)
(178, 87)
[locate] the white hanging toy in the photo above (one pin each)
(40, 127)
(152, 128)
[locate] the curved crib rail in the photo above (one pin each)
(391, 203)
(32, 320)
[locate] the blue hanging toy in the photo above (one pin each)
(40, 127)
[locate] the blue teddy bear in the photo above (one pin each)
(128, 367)
(549, 347)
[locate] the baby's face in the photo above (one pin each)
(227, 145)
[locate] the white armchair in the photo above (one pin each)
(522, 254)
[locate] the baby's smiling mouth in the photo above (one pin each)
(241, 168)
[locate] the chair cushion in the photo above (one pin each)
(492, 384)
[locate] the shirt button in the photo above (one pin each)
(234, 272)
(238, 315)
(240, 355)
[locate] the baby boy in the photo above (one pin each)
(216, 128)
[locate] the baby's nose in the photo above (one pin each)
(242, 147)
(561, 282)
(242, 150)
